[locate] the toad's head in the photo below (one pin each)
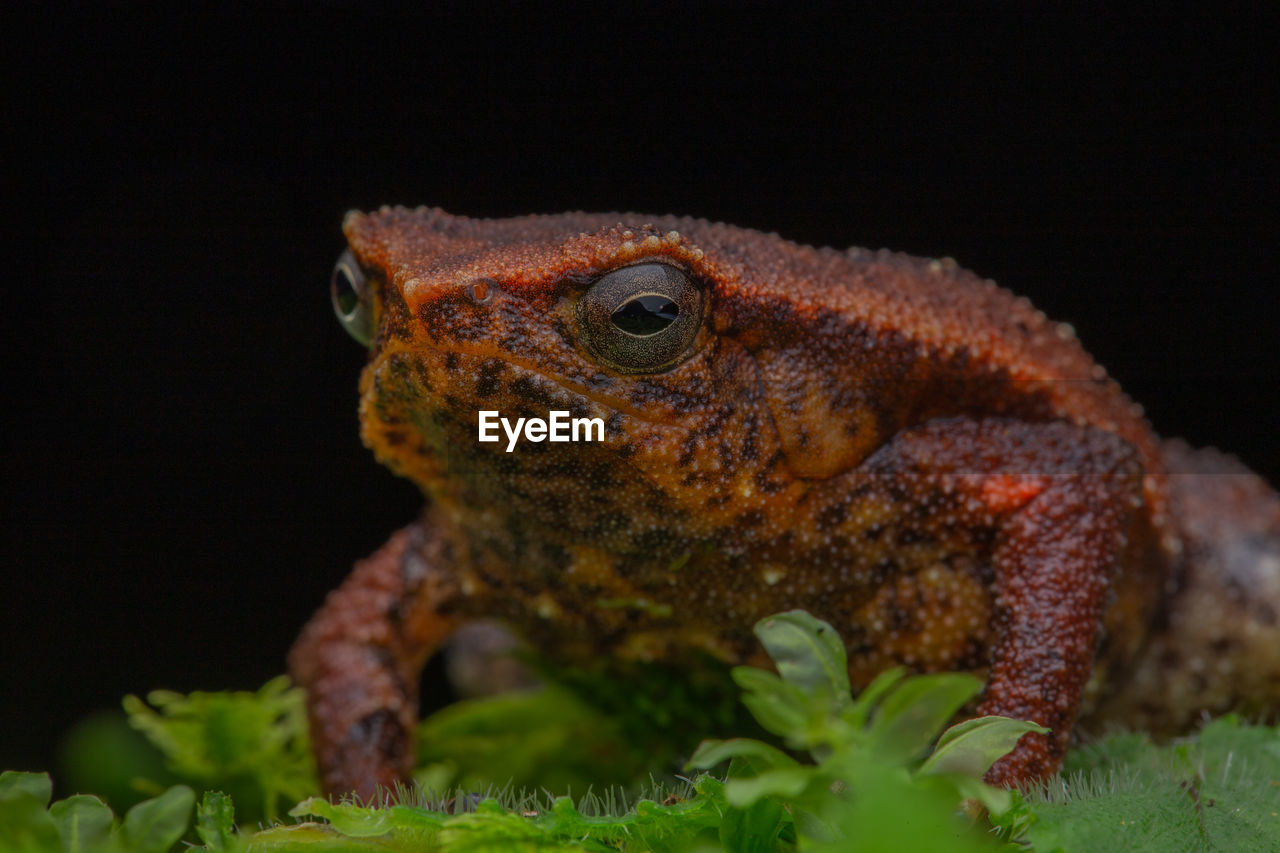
(688, 343)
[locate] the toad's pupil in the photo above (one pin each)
(645, 315)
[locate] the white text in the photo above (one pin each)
(558, 427)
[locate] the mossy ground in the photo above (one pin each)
(551, 769)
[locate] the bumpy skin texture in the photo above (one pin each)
(891, 443)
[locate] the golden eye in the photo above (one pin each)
(641, 318)
(353, 299)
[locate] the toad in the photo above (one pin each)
(892, 443)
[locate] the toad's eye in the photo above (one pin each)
(642, 318)
(353, 299)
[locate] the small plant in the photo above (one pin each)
(875, 783)
(84, 824)
(253, 745)
(881, 774)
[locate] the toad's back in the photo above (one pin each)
(934, 338)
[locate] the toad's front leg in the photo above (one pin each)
(1060, 502)
(360, 658)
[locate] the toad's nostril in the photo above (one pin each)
(481, 289)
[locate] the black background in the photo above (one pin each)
(181, 453)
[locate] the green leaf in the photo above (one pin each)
(216, 821)
(779, 707)
(808, 653)
(864, 705)
(759, 756)
(83, 821)
(890, 810)
(355, 821)
(153, 826)
(997, 801)
(38, 785)
(25, 825)
(755, 826)
(784, 782)
(971, 747)
(815, 831)
(753, 829)
(911, 716)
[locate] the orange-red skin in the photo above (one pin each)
(892, 443)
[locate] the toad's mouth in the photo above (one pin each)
(604, 399)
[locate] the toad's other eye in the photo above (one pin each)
(353, 299)
(642, 318)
